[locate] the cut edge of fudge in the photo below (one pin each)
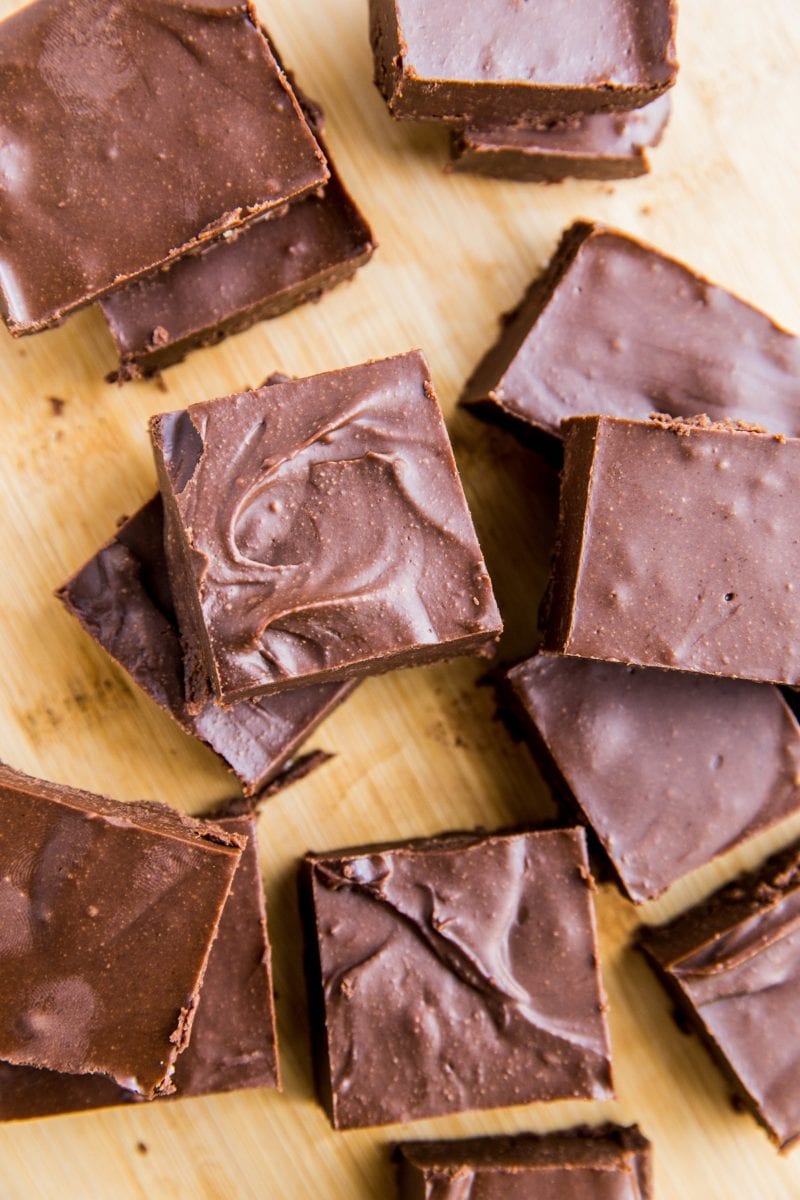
(606, 1147)
(545, 153)
(710, 923)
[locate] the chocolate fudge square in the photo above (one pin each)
(454, 973)
(108, 911)
(265, 269)
(678, 548)
(595, 146)
(614, 326)
(501, 62)
(667, 769)
(132, 133)
(122, 598)
(233, 1043)
(606, 1162)
(733, 966)
(316, 530)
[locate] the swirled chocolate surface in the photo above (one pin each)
(317, 529)
(456, 973)
(129, 133)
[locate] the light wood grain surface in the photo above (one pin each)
(418, 751)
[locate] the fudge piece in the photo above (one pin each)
(733, 966)
(668, 770)
(454, 973)
(317, 530)
(502, 63)
(607, 1162)
(132, 133)
(615, 327)
(596, 146)
(233, 1043)
(122, 598)
(108, 914)
(677, 548)
(268, 268)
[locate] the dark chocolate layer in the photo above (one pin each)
(233, 1043)
(595, 146)
(678, 548)
(134, 132)
(607, 1162)
(501, 63)
(455, 973)
(107, 915)
(668, 770)
(317, 530)
(613, 326)
(733, 964)
(122, 598)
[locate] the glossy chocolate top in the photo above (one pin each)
(131, 131)
(540, 41)
(735, 960)
(108, 912)
(507, 61)
(317, 529)
(122, 598)
(458, 973)
(615, 327)
(669, 770)
(233, 1037)
(678, 548)
(607, 1162)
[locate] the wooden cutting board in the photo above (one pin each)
(419, 751)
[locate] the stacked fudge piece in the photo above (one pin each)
(671, 622)
(307, 533)
(125, 927)
(179, 177)
(535, 91)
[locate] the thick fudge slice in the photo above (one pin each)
(108, 915)
(606, 1162)
(233, 1043)
(733, 966)
(135, 131)
(267, 268)
(500, 62)
(454, 973)
(678, 548)
(122, 598)
(596, 146)
(668, 770)
(317, 530)
(615, 327)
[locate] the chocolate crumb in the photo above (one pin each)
(57, 405)
(142, 1147)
